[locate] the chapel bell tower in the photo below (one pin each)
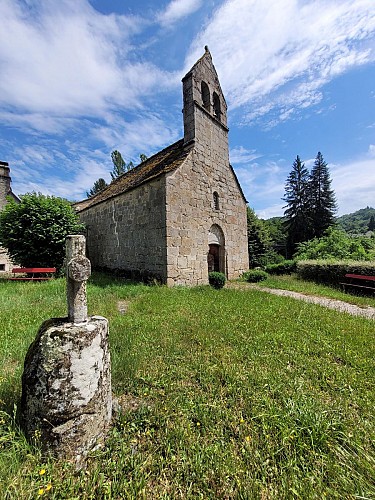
(205, 108)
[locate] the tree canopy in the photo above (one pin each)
(321, 197)
(298, 223)
(336, 244)
(34, 230)
(258, 238)
(311, 202)
(98, 186)
(119, 165)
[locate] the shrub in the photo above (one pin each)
(331, 272)
(254, 276)
(285, 267)
(216, 280)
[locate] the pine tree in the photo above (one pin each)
(297, 213)
(322, 198)
(118, 164)
(98, 186)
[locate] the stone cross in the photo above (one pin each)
(78, 271)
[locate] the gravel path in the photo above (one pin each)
(338, 305)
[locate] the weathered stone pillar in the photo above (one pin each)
(66, 384)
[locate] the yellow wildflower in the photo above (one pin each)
(41, 491)
(48, 487)
(42, 472)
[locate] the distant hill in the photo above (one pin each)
(358, 221)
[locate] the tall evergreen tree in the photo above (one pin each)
(98, 186)
(321, 197)
(118, 164)
(297, 213)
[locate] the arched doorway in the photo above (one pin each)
(216, 250)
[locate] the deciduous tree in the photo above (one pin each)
(259, 241)
(34, 230)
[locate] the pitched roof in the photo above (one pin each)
(165, 161)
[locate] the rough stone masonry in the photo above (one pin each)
(66, 384)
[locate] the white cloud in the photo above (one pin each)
(283, 66)
(239, 155)
(145, 134)
(178, 9)
(64, 59)
(354, 183)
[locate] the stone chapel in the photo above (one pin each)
(181, 213)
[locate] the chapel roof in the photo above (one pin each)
(160, 163)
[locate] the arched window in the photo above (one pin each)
(205, 96)
(217, 107)
(216, 201)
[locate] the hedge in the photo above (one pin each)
(285, 267)
(332, 272)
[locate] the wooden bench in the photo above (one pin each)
(359, 281)
(33, 273)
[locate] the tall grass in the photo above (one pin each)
(225, 394)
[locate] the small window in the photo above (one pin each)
(217, 107)
(216, 201)
(205, 96)
(2, 267)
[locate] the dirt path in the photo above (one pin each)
(338, 305)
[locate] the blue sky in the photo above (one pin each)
(81, 78)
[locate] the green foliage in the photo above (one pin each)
(143, 157)
(34, 230)
(371, 224)
(321, 197)
(332, 272)
(285, 267)
(336, 244)
(259, 241)
(119, 165)
(254, 276)
(98, 186)
(357, 222)
(277, 233)
(310, 201)
(298, 223)
(216, 280)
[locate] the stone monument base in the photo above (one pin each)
(66, 387)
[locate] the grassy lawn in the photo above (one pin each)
(226, 394)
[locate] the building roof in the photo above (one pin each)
(162, 162)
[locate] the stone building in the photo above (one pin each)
(180, 213)
(5, 191)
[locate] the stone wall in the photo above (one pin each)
(127, 232)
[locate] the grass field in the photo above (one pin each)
(225, 394)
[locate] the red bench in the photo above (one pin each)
(33, 273)
(359, 281)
